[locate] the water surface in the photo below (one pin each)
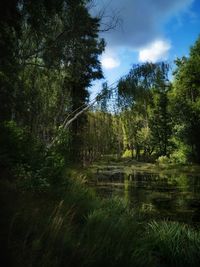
(171, 196)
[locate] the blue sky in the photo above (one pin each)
(148, 30)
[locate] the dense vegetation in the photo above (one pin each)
(49, 57)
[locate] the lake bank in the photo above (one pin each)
(131, 165)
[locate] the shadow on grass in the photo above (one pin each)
(78, 229)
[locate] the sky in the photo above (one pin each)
(147, 30)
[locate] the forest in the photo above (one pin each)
(55, 139)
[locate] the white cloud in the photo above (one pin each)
(109, 62)
(139, 21)
(158, 50)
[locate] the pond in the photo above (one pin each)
(165, 196)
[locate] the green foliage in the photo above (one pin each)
(109, 235)
(49, 58)
(53, 167)
(180, 156)
(27, 160)
(18, 146)
(81, 197)
(163, 160)
(76, 229)
(185, 100)
(127, 154)
(160, 120)
(144, 109)
(31, 180)
(173, 244)
(45, 228)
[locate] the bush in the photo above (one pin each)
(127, 154)
(28, 179)
(163, 160)
(27, 160)
(17, 146)
(179, 157)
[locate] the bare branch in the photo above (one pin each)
(109, 19)
(67, 122)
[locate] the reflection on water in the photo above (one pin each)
(175, 197)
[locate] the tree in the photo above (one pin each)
(50, 57)
(160, 117)
(185, 100)
(144, 108)
(9, 33)
(82, 63)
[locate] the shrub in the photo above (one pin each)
(178, 157)
(163, 160)
(18, 146)
(127, 154)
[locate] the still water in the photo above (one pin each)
(171, 197)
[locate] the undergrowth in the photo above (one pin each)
(78, 229)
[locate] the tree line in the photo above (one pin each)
(49, 58)
(156, 112)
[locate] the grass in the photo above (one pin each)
(173, 244)
(109, 235)
(75, 228)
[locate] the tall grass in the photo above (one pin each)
(110, 235)
(78, 229)
(173, 244)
